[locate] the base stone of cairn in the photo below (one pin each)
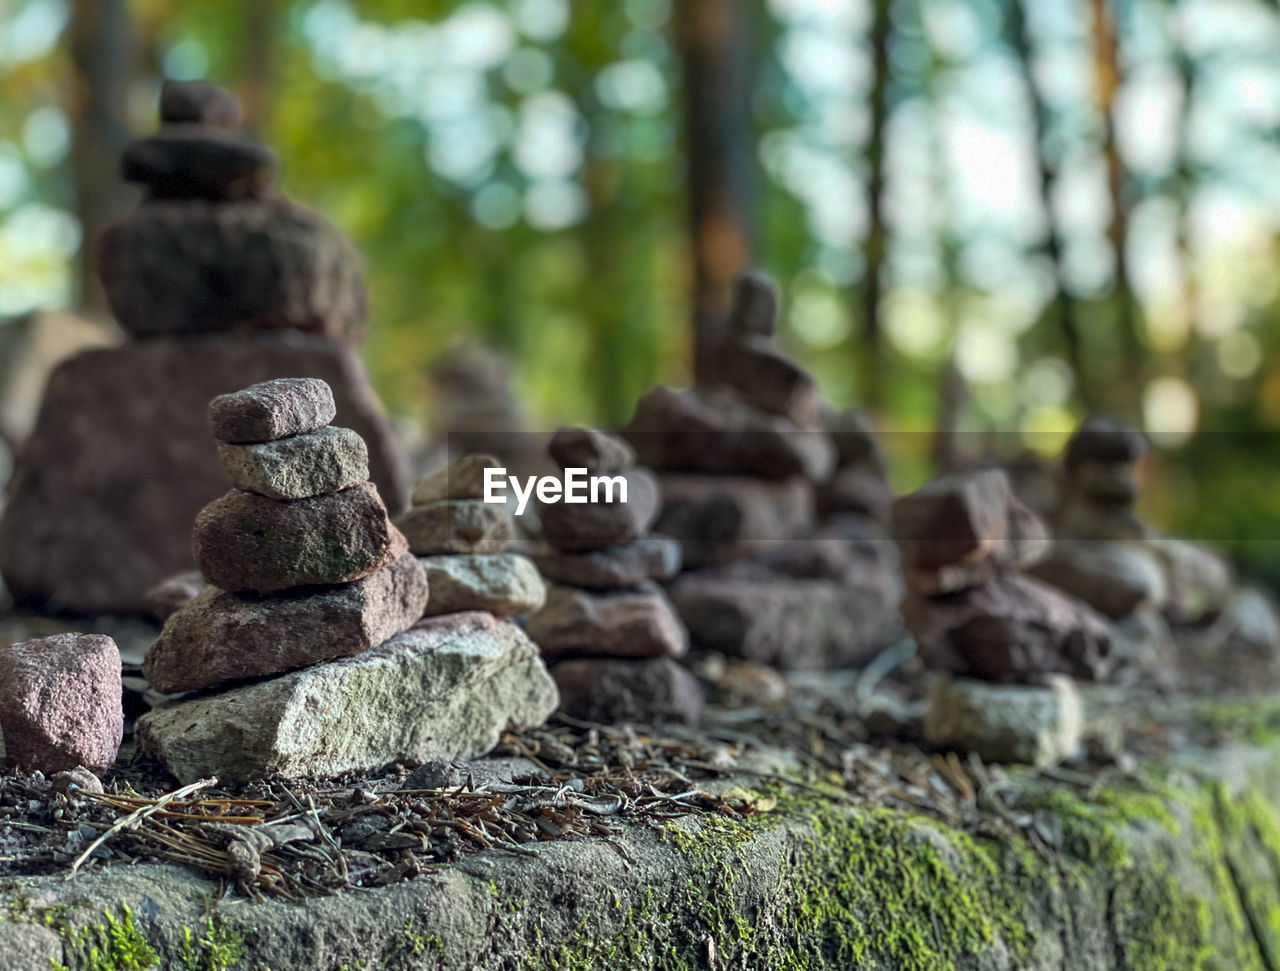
(607, 628)
(220, 284)
(739, 465)
(60, 703)
(1037, 724)
(964, 539)
(446, 689)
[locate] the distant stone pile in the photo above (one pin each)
(739, 464)
(310, 584)
(607, 627)
(220, 283)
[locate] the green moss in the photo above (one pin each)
(1253, 720)
(218, 948)
(117, 944)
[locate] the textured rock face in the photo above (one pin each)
(636, 623)
(648, 558)
(190, 267)
(1006, 723)
(599, 525)
(463, 479)
(504, 584)
(644, 692)
(300, 466)
(1113, 578)
(101, 505)
(1010, 629)
(220, 637)
(797, 623)
(270, 410)
(245, 542)
(457, 526)
(443, 690)
(60, 703)
(698, 431)
(588, 448)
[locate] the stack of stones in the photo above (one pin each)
(607, 627)
(1014, 643)
(739, 464)
(219, 282)
(312, 592)
(462, 541)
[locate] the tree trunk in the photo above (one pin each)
(714, 40)
(256, 74)
(1063, 308)
(875, 246)
(102, 65)
(1107, 78)
(1184, 180)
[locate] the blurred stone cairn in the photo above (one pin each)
(307, 646)
(219, 282)
(607, 628)
(740, 463)
(1161, 594)
(1012, 644)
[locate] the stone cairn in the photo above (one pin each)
(462, 541)
(607, 627)
(739, 463)
(1013, 642)
(313, 591)
(219, 282)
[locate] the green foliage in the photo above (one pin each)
(118, 944)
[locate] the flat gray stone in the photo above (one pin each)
(636, 623)
(1116, 579)
(272, 409)
(220, 637)
(1038, 725)
(577, 527)
(457, 526)
(588, 448)
(648, 558)
(313, 463)
(246, 542)
(29, 947)
(504, 584)
(463, 479)
(612, 691)
(444, 690)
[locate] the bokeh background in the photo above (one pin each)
(988, 218)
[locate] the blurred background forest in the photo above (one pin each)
(994, 216)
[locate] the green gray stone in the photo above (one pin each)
(315, 463)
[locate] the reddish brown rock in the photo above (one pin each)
(314, 463)
(270, 410)
(246, 542)
(1011, 628)
(60, 703)
(766, 378)
(457, 526)
(222, 637)
(196, 103)
(587, 448)
(577, 527)
(643, 692)
(635, 623)
(702, 431)
(185, 267)
(629, 565)
(462, 479)
(101, 504)
(195, 162)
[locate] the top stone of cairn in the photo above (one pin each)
(197, 103)
(1105, 441)
(755, 306)
(272, 410)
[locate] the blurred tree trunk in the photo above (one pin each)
(875, 246)
(102, 67)
(1184, 180)
(1107, 78)
(714, 41)
(256, 73)
(1064, 309)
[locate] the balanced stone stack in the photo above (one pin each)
(607, 627)
(304, 629)
(739, 463)
(219, 282)
(1014, 642)
(462, 541)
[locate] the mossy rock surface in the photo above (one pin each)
(1175, 866)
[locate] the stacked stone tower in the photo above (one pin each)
(607, 627)
(219, 282)
(739, 464)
